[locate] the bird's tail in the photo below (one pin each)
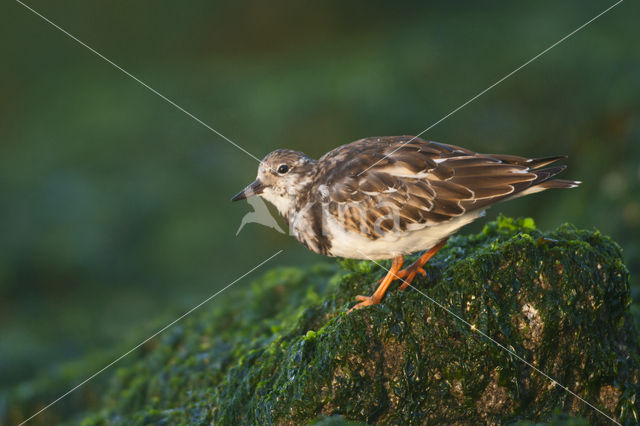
(559, 183)
(545, 181)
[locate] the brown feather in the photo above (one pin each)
(460, 181)
(451, 190)
(494, 180)
(486, 170)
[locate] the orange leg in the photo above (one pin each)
(382, 288)
(408, 274)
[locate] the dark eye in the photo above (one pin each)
(283, 168)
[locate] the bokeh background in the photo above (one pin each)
(114, 206)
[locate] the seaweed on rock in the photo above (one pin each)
(286, 351)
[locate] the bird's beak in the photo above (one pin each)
(254, 188)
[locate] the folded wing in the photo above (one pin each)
(375, 185)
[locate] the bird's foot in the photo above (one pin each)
(365, 301)
(377, 296)
(408, 274)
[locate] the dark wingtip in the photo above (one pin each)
(536, 163)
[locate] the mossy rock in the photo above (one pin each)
(286, 351)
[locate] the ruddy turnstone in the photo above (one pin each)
(386, 197)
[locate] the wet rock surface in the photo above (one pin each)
(285, 350)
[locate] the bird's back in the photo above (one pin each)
(387, 187)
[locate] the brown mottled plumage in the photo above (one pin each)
(380, 198)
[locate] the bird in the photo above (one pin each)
(388, 197)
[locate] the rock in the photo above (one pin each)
(285, 351)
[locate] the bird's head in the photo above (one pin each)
(281, 175)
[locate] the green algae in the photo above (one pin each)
(287, 352)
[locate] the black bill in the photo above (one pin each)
(254, 188)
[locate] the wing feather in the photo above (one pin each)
(376, 184)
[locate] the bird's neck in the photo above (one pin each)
(283, 202)
(288, 201)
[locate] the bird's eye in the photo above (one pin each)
(283, 168)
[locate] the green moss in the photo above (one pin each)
(286, 351)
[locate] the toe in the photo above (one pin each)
(365, 301)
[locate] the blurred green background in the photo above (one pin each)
(114, 206)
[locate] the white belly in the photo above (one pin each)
(355, 246)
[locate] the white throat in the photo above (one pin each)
(283, 203)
